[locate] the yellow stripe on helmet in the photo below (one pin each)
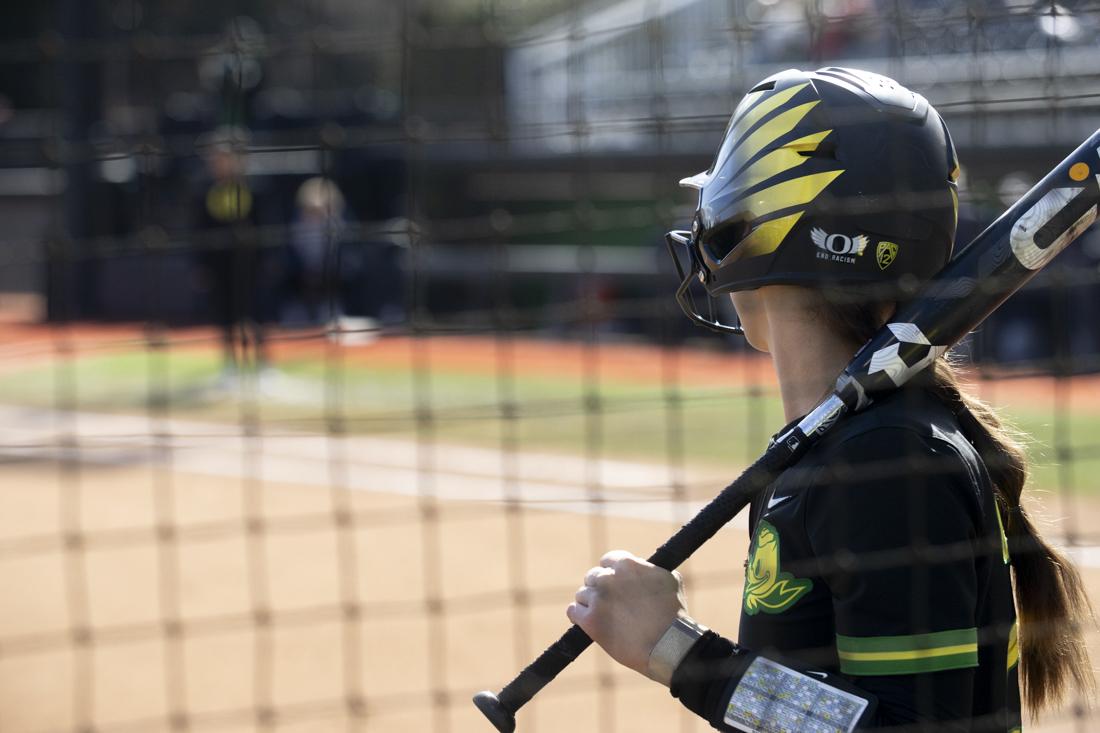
(756, 112)
(779, 160)
(795, 192)
(772, 130)
(765, 238)
(753, 108)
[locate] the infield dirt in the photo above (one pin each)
(165, 575)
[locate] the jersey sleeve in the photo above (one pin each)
(735, 689)
(892, 523)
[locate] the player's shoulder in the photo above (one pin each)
(900, 419)
(908, 431)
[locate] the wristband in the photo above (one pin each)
(672, 647)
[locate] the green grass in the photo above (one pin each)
(720, 428)
(1064, 448)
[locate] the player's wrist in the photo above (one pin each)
(669, 651)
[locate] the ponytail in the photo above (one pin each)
(1050, 595)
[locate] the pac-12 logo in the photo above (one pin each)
(885, 254)
(838, 247)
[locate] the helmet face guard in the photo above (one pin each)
(682, 247)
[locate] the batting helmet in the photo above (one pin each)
(829, 177)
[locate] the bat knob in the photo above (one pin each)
(492, 708)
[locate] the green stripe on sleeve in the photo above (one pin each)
(906, 643)
(878, 655)
(910, 666)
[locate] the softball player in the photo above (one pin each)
(893, 577)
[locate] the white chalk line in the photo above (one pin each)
(401, 466)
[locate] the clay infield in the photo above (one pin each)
(165, 573)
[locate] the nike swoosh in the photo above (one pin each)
(822, 675)
(777, 500)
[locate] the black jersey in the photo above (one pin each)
(880, 557)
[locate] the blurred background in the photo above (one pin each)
(338, 337)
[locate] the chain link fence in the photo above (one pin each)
(340, 339)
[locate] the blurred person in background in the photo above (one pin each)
(316, 232)
(373, 276)
(344, 276)
(236, 270)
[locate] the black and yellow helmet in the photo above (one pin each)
(829, 177)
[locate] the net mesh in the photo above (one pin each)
(340, 340)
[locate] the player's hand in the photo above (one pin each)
(626, 604)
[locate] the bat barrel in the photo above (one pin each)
(999, 261)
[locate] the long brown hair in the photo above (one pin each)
(1050, 595)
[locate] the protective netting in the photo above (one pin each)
(340, 338)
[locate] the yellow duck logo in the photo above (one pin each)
(767, 588)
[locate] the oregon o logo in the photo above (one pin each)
(838, 244)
